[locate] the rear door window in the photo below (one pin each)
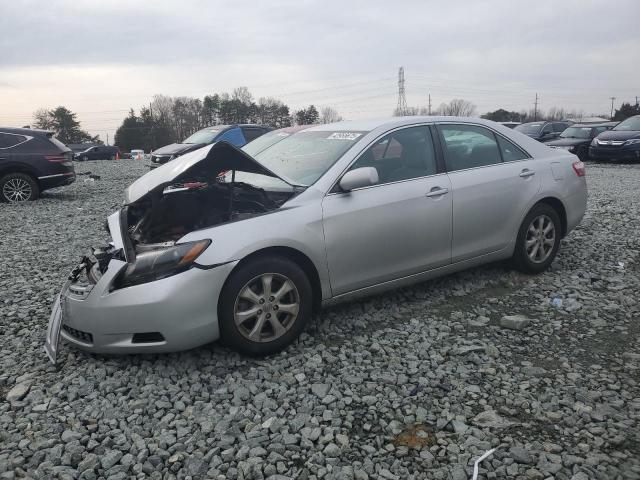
(468, 146)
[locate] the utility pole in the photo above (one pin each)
(430, 104)
(401, 109)
(107, 139)
(535, 109)
(612, 99)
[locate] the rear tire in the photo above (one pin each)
(264, 306)
(18, 187)
(538, 239)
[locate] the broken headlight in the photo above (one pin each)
(161, 263)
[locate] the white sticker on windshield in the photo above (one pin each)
(344, 136)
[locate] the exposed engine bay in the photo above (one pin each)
(178, 209)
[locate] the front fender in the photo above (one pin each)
(298, 227)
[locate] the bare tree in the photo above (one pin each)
(243, 95)
(329, 115)
(556, 113)
(458, 107)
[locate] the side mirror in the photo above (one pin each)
(359, 178)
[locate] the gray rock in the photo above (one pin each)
(18, 392)
(514, 322)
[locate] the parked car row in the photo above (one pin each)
(592, 141)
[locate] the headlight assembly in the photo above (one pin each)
(633, 141)
(161, 263)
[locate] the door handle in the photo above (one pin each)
(437, 191)
(527, 173)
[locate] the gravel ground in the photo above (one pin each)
(416, 383)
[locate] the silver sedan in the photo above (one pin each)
(222, 244)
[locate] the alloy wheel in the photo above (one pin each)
(17, 190)
(541, 238)
(266, 307)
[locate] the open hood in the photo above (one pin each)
(214, 159)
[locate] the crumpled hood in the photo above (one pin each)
(178, 148)
(216, 158)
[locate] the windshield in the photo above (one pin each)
(263, 142)
(577, 132)
(529, 128)
(302, 158)
(630, 124)
(203, 136)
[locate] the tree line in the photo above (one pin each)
(172, 119)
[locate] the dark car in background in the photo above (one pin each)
(98, 152)
(577, 137)
(237, 135)
(32, 161)
(622, 142)
(543, 131)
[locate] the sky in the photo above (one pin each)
(101, 58)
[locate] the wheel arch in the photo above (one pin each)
(9, 168)
(559, 207)
(302, 260)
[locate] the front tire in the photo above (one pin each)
(264, 306)
(18, 187)
(538, 239)
(84, 158)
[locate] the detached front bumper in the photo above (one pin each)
(176, 313)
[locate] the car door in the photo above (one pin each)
(395, 228)
(492, 183)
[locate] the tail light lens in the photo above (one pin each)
(578, 167)
(56, 158)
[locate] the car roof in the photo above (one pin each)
(26, 131)
(392, 122)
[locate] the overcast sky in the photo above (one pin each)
(99, 58)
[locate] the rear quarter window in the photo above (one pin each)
(8, 140)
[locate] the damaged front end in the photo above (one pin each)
(194, 192)
(96, 310)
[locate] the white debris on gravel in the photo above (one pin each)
(417, 383)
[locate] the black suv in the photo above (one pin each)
(543, 131)
(32, 161)
(98, 152)
(622, 142)
(576, 138)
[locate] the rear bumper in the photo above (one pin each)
(58, 180)
(182, 308)
(630, 153)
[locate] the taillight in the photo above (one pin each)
(55, 158)
(578, 167)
